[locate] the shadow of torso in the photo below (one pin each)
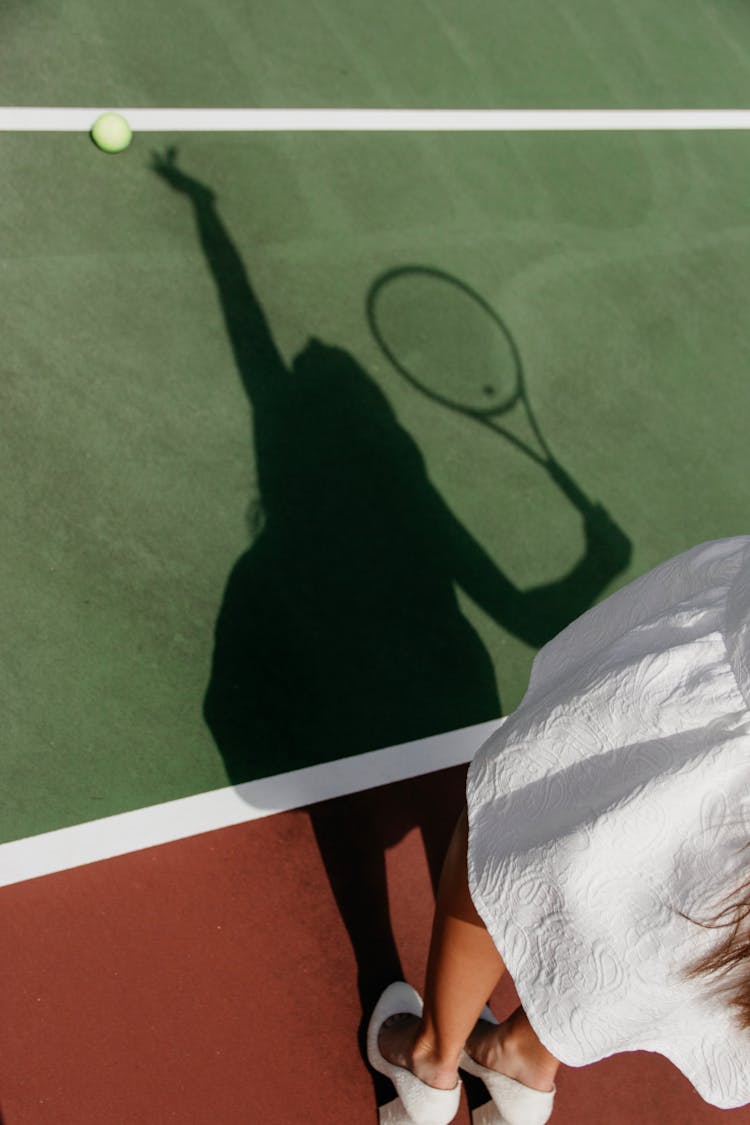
(340, 630)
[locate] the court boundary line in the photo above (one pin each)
(49, 853)
(144, 119)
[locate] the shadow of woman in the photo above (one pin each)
(340, 631)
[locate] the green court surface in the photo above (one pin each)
(431, 53)
(137, 474)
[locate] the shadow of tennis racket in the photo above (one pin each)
(445, 340)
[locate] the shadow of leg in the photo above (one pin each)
(439, 800)
(352, 838)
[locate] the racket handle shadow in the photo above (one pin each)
(568, 486)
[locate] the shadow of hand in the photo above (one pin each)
(166, 166)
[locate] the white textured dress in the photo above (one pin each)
(616, 793)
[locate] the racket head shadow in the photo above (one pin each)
(445, 340)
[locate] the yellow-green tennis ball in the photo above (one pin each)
(111, 132)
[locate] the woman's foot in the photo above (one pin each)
(513, 1049)
(401, 1043)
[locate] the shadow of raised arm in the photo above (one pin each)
(538, 614)
(258, 359)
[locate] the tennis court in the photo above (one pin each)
(264, 593)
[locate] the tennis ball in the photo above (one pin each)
(111, 132)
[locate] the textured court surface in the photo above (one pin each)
(175, 984)
(130, 473)
(137, 469)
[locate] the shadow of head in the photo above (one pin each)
(331, 379)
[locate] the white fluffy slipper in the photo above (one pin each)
(417, 1103)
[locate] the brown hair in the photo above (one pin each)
(732, 953)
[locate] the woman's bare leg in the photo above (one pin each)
(463, 968)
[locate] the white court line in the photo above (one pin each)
(127, 832)
(73, 119)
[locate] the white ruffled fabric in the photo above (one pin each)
(617, 793)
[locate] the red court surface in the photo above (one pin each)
(213, 979)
